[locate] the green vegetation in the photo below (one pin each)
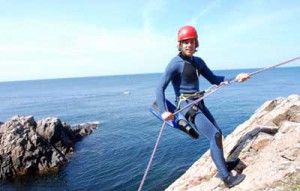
(293, 184)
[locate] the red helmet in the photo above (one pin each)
(187, 32)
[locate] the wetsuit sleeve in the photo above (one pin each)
(209, 75)
(163, 84)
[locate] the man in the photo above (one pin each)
(183, 72)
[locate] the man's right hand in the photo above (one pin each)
(167, 116)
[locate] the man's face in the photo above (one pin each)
(188, 47)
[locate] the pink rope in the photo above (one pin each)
(223, 84)
(201, 98)
(276, 65)
(152, 156)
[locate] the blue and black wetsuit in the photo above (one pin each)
(183, 72)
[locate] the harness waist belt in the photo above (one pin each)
(191, 96)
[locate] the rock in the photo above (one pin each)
(268, 145)
(83, 130)
(27, 147)
(58, 135)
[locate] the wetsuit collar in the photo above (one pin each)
(189, 59)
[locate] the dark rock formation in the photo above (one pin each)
(28, 147)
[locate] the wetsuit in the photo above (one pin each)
(183, 72)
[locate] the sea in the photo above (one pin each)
(115, 156)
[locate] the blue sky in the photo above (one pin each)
(59, 39)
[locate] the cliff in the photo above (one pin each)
(28, 147)
(268, 145)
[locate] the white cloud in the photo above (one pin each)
(49, 48)
(64, 50)
(255, 39)
(202, 13)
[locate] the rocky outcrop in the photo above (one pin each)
(27, 146)
(268, 145)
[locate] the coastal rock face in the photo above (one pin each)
(268, 145)
(27, 146)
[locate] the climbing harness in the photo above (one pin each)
(191, 113)
(196, 95)
(212, 89)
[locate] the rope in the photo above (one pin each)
(212, 89)
(282, 63)
(152, 156)
(209, 92)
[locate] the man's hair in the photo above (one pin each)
(179, 43)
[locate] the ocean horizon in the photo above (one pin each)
(115, 156)
(133, 74)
